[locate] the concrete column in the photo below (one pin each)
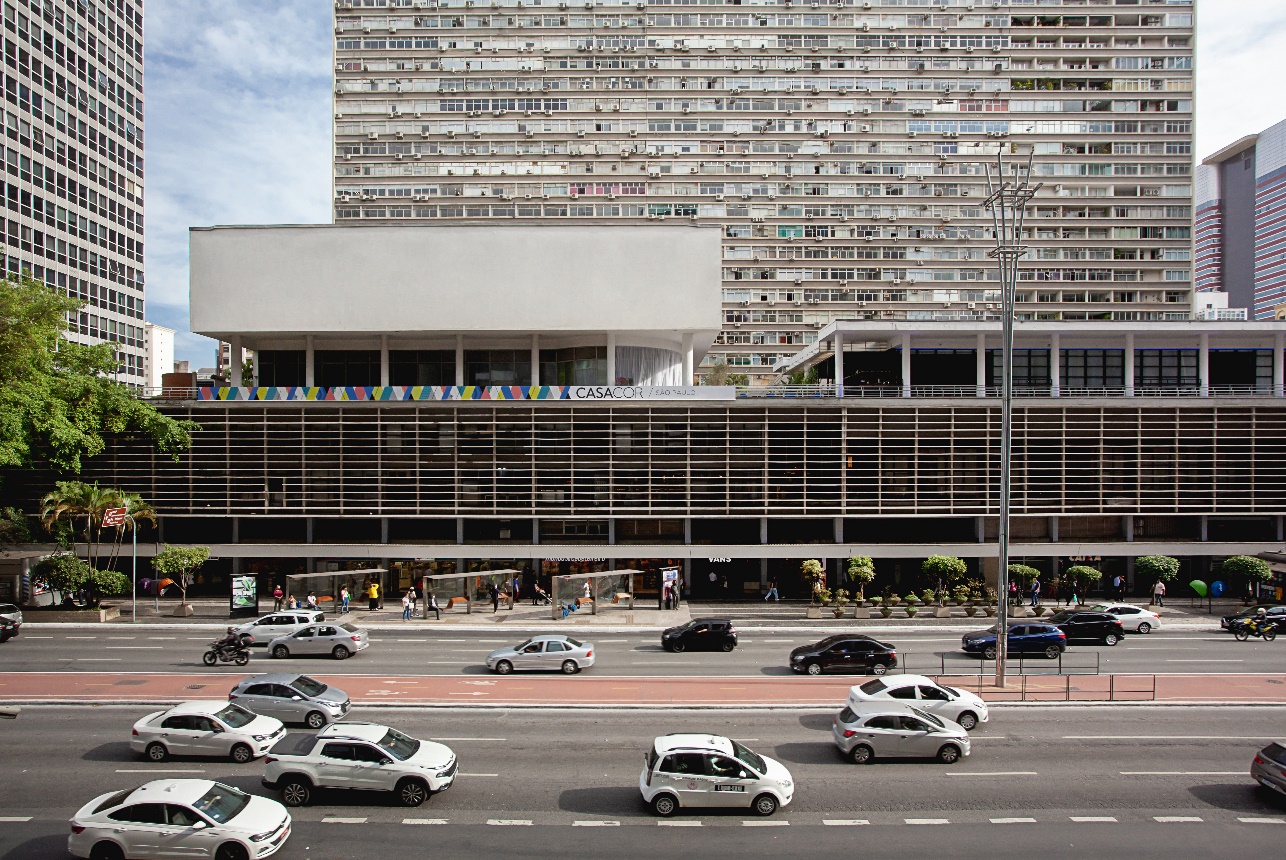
(763, 530)
(837, 527)
(839, 364)
(1127, 528)
(611, 531)
(459, 359)
(308, 530)
(309, 364)
(1279, 369)
(384, 530)
(906, 364)
(234, 360)
(1281, 528)
(687, 531)
(687, 358)
(1205, 530)
(535, 530)
(980, 529)
(535, 359)
(1053, 529)
(1203, 365)
(459, 530)
(1055, 365)
(980, 365)
(384, 360)
(611, 359)
(1129, 365)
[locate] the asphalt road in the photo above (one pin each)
(1162, 781)
(418, 652)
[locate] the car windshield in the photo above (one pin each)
(235, 716)
(222, 803)
(308, 686)
(521, 645)
(1059, 616)
(929, 718)
(350, 628)
(831, 640)
(573, 642)
(870, 688)
(399, 745)
(745, 756)
(950, 693)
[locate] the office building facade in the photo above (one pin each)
(1241, 222)
(839, 146)
(74, 157)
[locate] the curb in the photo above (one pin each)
(589, 628)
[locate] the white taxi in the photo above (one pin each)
(710, 771)
(952, 703)
(1133, 618)
(205, 729)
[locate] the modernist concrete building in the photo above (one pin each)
(838, 145)
(1241, 222)
(74, 191)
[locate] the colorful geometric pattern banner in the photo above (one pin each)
(471, 392)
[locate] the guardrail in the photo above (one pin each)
(1064, 688)
(824, 390)
(947, 663)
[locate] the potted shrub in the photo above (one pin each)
(839, 601)
(960, 594)
(885, 610)
(912, 605)
(943, 570)
(893, 600)
(1253, 570)
(989, 602)
(1155, 568)
(1084, 575)
(861, 572)
(814, 576)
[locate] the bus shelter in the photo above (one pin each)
(458, 585)
(328, 583)
(596, 585)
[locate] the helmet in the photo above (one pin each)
(232, 630)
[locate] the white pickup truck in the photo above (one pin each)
(362, 756)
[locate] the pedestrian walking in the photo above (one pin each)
(495, 598)
(1035, 593)
(667, 596)
(343, 600)
(277, 597)
(373, 595)
(1158, 593)
(1075, 595)
(772, 591)
(517, 588)
(1117, 591)
(723, 585)
(415, 598)
(406, 606)
(431, 605)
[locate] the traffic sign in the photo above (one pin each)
(114, 517)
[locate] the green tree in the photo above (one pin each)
(179, 563)
(14, 528)
(1153, 567)
(1084, 574)
(67, 574)
(1024, 573)
(814, 575)
(58, 397)
(1246, 567)
(944, 569)
(862, 571)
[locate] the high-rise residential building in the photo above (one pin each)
(839, 144)
(158, 358)
(1241, 222)
(73, 119)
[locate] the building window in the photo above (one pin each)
(1092, 368)
(421, 367)
(336, 368)
(280, 367)
(1030, 370)
(582, 365)
(497, 367)
(1166, 368)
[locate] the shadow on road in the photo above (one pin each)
(1239, 797)
(606, 800)
(779, 671)
(114, 751)
(52, 845)
(814, 753)
(816, 722)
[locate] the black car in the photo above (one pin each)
(1098, 626)
(1274, 613)
(8, 629)
(701, 634)
(844, 653)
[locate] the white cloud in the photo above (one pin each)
(238, 132)
(1241, 63)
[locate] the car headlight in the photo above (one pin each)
(263, 837)
(260, 737)
(795, 658)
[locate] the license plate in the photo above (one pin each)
(729, 788)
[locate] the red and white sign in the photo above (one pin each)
(113, 517)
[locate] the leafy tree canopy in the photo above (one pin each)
(58, 398)
(1023, 572)
(1084, 573)
(1248, 566)
(1161, 567)
(948, 568)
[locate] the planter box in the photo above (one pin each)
(814, 612)
(861, 612)
(63, 616)
(942, 612)
(183, 610)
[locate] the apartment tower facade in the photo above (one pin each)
(73, 189)
(840, 145)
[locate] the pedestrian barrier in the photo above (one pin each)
(1059, 688)
(959, 663)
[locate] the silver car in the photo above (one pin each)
(291, 698)
(340, 641)
(13, 613)
(547, 653)
(895, 730)
(1269, 767)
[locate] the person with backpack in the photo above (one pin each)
(1035, 593)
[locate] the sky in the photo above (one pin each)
(238, 120)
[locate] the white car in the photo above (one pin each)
(179, 818)
(205, 729)
(1135, 619)
(952, 703)
(282, 623)
(362, 756)
(340, 641)
(688, 770)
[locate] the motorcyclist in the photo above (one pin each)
(230, 642)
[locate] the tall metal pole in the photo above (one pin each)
(133, 574)
(1007, 199)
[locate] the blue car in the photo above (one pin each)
(1025, 637)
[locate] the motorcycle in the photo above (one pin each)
(1243, 630)
(226, 654)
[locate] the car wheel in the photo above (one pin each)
(861, 754)
(157, 752)
(280, 652)
(340, 652)
(967, 721)
(1052, 652)
(1111, 639)
(765, 805)
(1144, 628)
(241, 753)
(677, 647)
(296, 792)
(106, 851)
(949, 754)
(879, 668)
(315, 719)
(989, 653)
(726, 647)
(665, 805)
(412, 792)
(570, 667)
(231, 851)
(504, 667)
(813, 668)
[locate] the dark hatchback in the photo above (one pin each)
(701, 634)
(844, 653)
(1094, 626)
(1274, 613)
(1024, 638)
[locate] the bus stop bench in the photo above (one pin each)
(451, 604)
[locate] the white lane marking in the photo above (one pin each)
(746, 740)
(844, 822)
(1013, 821)
(1262, 820)
(450, 640)
(80, 637)
(162, 638)
(596, 824)
(1205, 661)
(133, 647)
(1165, 737)
(508, 822)
(462, 773)
(98, 659)
(408, 640)
(658, 662)
(343, 821)
(160, 770)
(765, 824)
(926, 821)
(1175, 819)
(424, 821)
(1094, 819)
(1182, 772)
(500, 740)
(442, 662)
(121, 638)
(998, 773)
(14, 819)
(679, 823)
(29, 636)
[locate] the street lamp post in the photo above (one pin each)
(1007, 198)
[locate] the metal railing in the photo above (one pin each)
(1064, 688)
(989, 391)
(952, 663)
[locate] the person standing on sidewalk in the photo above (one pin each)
(343, 600)
(1158, 593)
(1035, 593)
(772, 591)
(406, 606)
(277, 597)
(373, 594)
(415, 598)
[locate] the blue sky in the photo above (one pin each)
(239, 119)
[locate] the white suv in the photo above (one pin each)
(282, 623)
(361, 756)
(711, 771)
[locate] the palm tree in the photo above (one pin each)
(74, 501)
(136, 509)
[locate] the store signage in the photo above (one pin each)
(114, 517)
(646, 392)
(678, 393)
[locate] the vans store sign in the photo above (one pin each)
(475, 392)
